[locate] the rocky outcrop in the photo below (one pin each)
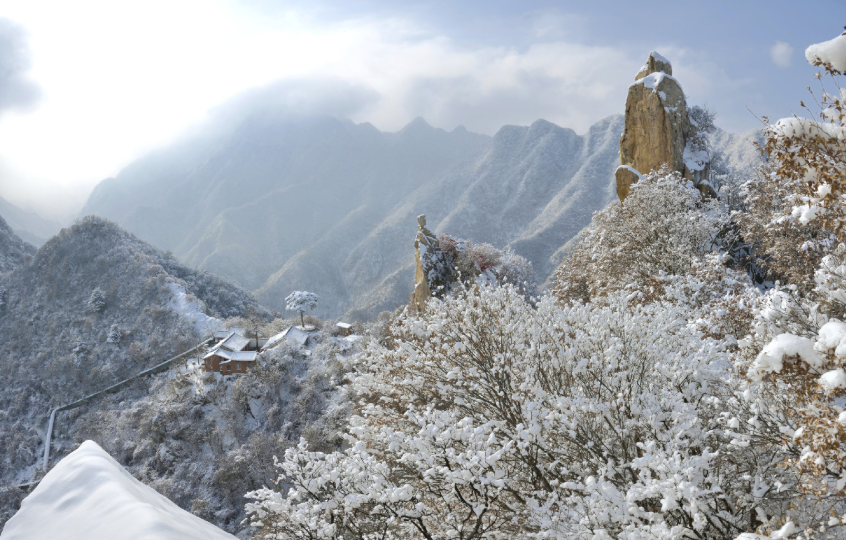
(432, 269)
(658, 130)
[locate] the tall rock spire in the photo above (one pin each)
(658, 130)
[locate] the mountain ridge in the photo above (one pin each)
(285, 202)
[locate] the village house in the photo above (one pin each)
(233, 353)
(344, 329)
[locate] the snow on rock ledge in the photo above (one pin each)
(658, 130)
(88, 495)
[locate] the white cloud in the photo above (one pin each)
(112, 92)
(782, 54)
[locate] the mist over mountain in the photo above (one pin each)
(288, 202)
(30, 226)
(278, 201)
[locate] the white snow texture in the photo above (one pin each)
(89, 496)
(832, 52)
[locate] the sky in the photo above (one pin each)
(88, 86)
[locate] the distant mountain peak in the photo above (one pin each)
(418, 125)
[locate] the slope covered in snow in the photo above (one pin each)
(89, 496)
(12, 248)
(285, 203)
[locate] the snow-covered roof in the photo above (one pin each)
(221, 334)
(345, 326)
(217, 351)
(238, 330)
(241, 356)
(293, 334)
(89, 495)
(235, 342)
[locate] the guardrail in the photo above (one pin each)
(158, 368)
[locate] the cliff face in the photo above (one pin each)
(427, 249)
(658, 130)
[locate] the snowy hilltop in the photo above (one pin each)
(89, 495)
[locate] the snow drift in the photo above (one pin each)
(89, 495)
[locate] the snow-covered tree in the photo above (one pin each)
(663, 227)
(97, 300)
(114, 334)
(491, 418)
(300, 301)
(794, 356)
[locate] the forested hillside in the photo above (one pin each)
(92, 307)
(13, 250)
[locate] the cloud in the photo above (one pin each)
(112, 93)
(329, 96)
(568, 84)
(16, 90)
(782, 54)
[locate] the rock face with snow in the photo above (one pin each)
(425, 246)
(88, 495)
(13, 250)
(658, 130)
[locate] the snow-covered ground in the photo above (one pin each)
(191, 310)
(89, 496)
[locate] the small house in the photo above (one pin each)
(231, 355)
(344, 329)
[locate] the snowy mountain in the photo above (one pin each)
(89, 495)
(13, 250)
(93, 307)
(284, 202)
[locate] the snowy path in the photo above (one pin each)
(113, 388)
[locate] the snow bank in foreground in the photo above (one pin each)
(832, 52)
(191, 310)
(88, 495)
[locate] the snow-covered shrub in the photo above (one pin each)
(796, 354)
(483, 263)
(795, 209)
(663, 227)
(488, 418)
